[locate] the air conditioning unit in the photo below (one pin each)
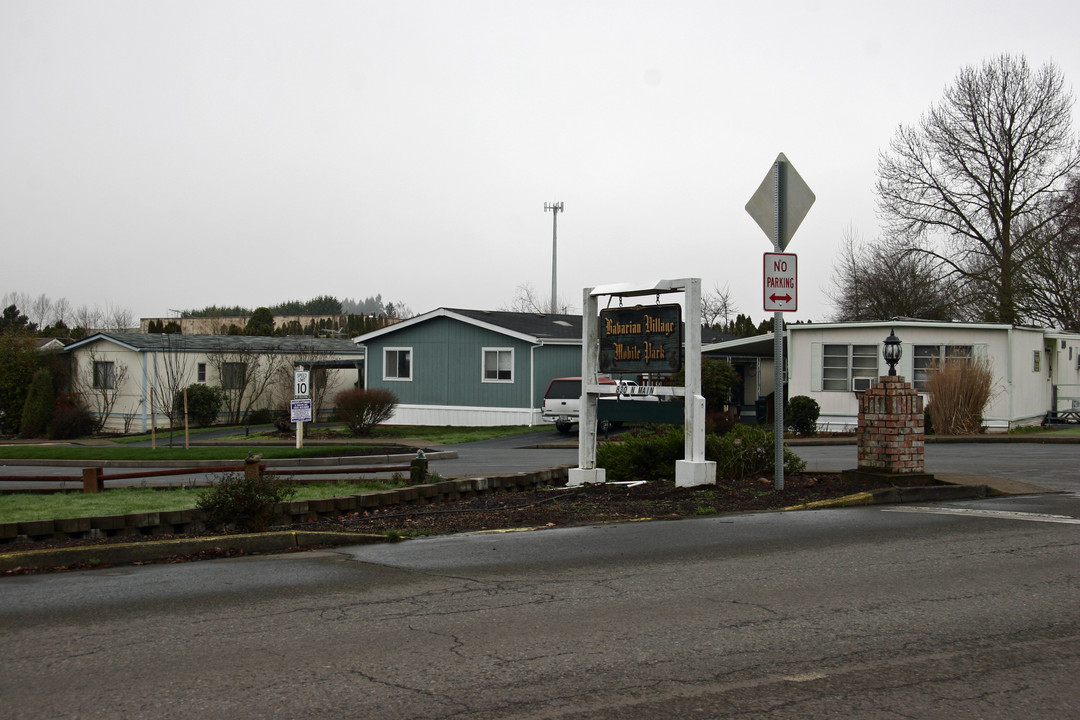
(861, 384)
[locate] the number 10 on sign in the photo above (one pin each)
(781, 293)
(302, 386)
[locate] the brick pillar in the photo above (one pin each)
(891, 435)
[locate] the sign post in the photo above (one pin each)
(300, 408)
(779, 206)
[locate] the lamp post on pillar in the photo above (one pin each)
(891, 352)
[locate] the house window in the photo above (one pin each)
(233, 375)
(202, 372)
(928, 358)
(498, 365)
(842, 363)
(104, 377)
(1036, 361)
(397, 364)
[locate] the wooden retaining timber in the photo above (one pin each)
(178, 522)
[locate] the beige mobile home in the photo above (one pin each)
(129, 379)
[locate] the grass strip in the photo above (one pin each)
(24, 507)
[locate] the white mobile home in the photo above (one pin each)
(1035, 370)
(128, 377)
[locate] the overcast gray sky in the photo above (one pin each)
(172, 155)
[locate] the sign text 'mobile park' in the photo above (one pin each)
(641, 339)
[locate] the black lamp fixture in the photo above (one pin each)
(891, 352)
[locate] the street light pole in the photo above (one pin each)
(555, 209)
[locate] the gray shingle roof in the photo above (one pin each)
(227, 343)
(540, 325)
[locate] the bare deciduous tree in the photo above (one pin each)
(100, 383)
(245, 376)
(971, 186)
(171, 374)
(717, 306)
(321, 377)
(879, 281)
(527, 300)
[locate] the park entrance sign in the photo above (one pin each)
(652, 330)
(641, 339)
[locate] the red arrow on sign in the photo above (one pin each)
(774, 297)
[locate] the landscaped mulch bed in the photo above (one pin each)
(551, 507)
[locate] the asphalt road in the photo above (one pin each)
(1054, 466)
(882, 612)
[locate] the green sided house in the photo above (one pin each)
(471, 367)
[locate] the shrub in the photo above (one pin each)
(642, 454)
(801, 415)
(70, 419)
(203, 404)
(236, 501)
(38, 409)
(959, 392)
(263, 416)
(361, 410)
(748, 451)
(745, 451)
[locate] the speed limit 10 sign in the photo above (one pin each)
(302, 383)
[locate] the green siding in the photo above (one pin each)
(555, 361)
(447, 358)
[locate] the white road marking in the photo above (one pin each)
(997, 514)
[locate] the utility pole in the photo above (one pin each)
(555, 209)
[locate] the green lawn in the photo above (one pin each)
(16, 507)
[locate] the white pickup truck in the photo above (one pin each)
(562, 400)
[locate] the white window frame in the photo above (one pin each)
(397, 378)
(498, 351)
(851, 370)
(200, 372)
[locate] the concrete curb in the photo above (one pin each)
(894, 495)
(128, 553)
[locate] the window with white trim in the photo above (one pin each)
(498, 365)
(201, 372)
(397, 363)
(928, 358)
(841, 363)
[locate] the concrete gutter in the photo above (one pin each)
(955, 486)
(150, 551)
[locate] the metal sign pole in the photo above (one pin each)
(778, 206)
(778, 333)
